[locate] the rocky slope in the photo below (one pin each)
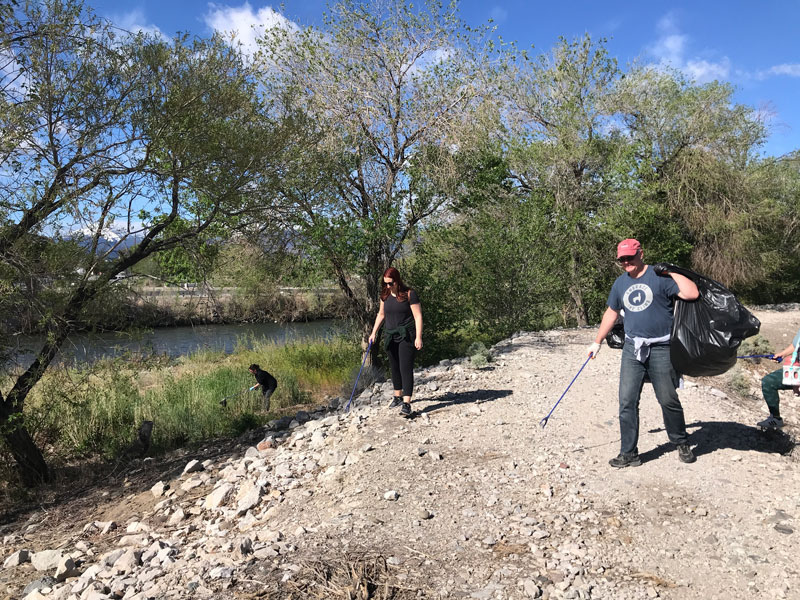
(470, 499)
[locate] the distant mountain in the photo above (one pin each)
(110, 239)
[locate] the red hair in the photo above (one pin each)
(400, 289)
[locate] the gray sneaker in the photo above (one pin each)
(685, 453)
(630, 459)
(396, 401)
(771, 423)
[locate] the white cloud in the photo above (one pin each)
(245, 25)
(792, 70)
(134, 22)
(670, 50)
(704, 71)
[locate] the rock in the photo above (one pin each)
(216, 498)
(243, 547)
(65, 569)
(35, 595)
(252, 452)
(249, 496)
(266, 444)
(424, 515)
(176, 517)
(126, 563)
(302, 416)
(391, 495)
(19, 557)
(159, 489)
(530, 589)
(192, 467)
(220, 573)
(367, 448)
(47, 560)
(190, 484)
(133, 540)
(44, 582)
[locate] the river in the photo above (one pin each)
(177, 341)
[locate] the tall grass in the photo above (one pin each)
(96, 410)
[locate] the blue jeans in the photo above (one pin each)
(658, 367)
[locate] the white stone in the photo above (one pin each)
(192, 467)
(216, 498)
(391, 495)
(47, 560)
(19, 557)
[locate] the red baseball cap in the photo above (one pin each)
(628, 247)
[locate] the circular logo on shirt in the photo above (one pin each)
(638, 297)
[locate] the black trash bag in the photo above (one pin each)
(707, 332)
(616, 337)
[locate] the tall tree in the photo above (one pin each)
(383, 88)
(156, 141)
(694, 148)
(562, 145)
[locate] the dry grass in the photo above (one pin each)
(351, 577)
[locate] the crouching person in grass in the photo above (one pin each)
(772, 383)
(266, 382)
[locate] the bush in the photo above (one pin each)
(478, 354)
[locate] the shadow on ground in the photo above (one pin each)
(709, 436)
(474, 396)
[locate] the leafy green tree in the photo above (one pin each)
(562, 145)
(381, 89)
(694, 151)
(107, 132)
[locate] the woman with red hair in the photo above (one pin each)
(402, 336)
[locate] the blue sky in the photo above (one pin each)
(754, 46)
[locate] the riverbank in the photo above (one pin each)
(194, 303)
(95, 410)
(128, 308)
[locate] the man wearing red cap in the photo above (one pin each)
(647, 297)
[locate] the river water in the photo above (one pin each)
(177, 341)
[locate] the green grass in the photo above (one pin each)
(97, 410)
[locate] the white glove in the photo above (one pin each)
(594, 349)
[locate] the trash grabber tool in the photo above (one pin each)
(771, 356)
(543, 422)
(363, 362)
(224, 401)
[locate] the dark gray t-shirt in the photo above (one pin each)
(398, 313)
(648, 302)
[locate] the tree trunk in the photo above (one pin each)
(581, 315)
(31, 465)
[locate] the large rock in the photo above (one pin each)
(19, 557)
(217, 498)
(192, 467)
(66, 568)
(46, 560)
(249, 496)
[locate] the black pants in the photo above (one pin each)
(401, 360)
(266, 392)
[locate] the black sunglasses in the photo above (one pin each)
(624, 259)
(388, 283)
